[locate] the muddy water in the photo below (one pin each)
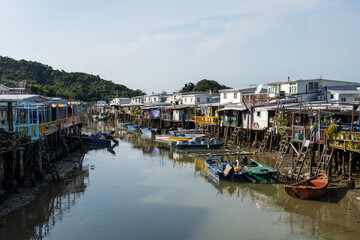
(140, 189)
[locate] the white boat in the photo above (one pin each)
(178, 133)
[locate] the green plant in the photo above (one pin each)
(281, 120)
(331, 131)
(282, 132)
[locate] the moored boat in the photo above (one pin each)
(311, 188)
(224, 171)
(183, 137)
(259, 172)
(175, 133)
(99, 138)
(148, 131)
(133, 128)
(102, 117)
(198, 143)
(122, 124)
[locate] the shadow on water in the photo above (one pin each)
(36, 220)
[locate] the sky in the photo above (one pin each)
(160, 45)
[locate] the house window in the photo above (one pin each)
(208, 100)
(343, 99)
(332, 96)
(292, 88)
(185, 99)
(191, 99)
(235, 95)
(198, 100)
(225, 95)
(258, 114)
(313, 86)
(272, 88)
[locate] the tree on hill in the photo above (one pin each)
(203, 86)
(44, 80)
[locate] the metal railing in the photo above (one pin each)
(207, 120)
(37, 130)
(49, 127)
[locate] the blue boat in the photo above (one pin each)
(122, 124)
(224, 171)
(148, 131)
(102, 117)
(198, 143)
(99, 138)
(133, 128)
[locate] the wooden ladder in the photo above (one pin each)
(64, 142)
(48, 155)
(217, 133)
(300, 161)
(232, 139)
(264, 141)
(325, 159)
(285, 144)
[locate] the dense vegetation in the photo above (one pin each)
(203, 86)
(46, 81)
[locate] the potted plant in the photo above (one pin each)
(331, 131)
(342, 135)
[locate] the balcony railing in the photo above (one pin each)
(37, 130)
(207, 120)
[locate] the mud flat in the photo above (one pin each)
(25, 195)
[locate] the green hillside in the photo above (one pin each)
(44, 80)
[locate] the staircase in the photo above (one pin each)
(217, 133)
(264, 141)
(285, 144)
(325, 160)
(49, 158)
(300, 161)
(233, 137)
(64, 143)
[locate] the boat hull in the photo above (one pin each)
(148, 131)
(217, 170)
(259, 172)
(214, 145)
(95, 141)
(312, 188)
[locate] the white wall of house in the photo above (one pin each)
(138, 100)
(261, 117)
(344, 96)
(200, 99)
(120, 101)
(246, 120)
(308, 89)
(230, 96)
(178, 115)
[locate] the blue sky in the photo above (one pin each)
(161, 45)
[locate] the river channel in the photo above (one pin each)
(140, 189)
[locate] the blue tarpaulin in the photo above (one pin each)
(155, 113)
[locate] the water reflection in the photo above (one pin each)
(203, 205)
(328, 217)
(40, 217)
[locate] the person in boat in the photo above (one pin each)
(245, 160)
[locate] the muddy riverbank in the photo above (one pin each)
(335, 185)
(25, 195)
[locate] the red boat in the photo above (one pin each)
(313, 187)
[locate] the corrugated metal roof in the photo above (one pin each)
(23, 97)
